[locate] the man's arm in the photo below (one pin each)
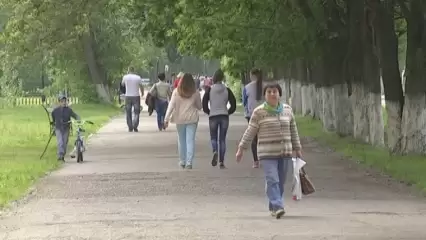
(232, 101)
(141, 87)
(206, 99)
(74, 115)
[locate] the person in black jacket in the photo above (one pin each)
(218, 95)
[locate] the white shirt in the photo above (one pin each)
(132, 83)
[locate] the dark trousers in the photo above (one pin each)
(218, 130)
(133, 119)
(161, 108)
(253, 145)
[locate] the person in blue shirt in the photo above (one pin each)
(252, 97)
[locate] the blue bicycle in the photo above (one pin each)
(79, 144)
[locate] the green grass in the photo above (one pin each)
(409, 169)
(24, 134)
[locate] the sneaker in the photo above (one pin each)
(188, 167)
(273, 214)
(214, 159)
(62, 159)
(182, 164)
(135, 130)
(222, 165)
(256, 164)
(279, 213)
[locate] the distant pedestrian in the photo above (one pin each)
(275, 126)
(252, 97)
(134, 91)
(161, 92)
(218, 95)
(177, 80)
(183, 111)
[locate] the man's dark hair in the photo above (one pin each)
(218, 76)
(273, 85)
(161, 76)
(131, 69)
(259, 82)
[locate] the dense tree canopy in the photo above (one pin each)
(333, 55)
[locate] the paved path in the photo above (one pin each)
(131, 188)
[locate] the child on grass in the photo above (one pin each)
(61, 117)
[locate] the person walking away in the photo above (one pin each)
(252, 97)
(275, 126)
(177, 80)
(61, 117)
(183, 111)
(134, 91)
(161, 92)
(218, 95)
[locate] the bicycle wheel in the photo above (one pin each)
(79, 147)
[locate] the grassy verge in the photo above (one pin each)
(409, 169)
(24, 134)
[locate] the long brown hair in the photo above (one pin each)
(259, 82)
(186, 86)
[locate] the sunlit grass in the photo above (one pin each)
(409, 169)
(24, 134)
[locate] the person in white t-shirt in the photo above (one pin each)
(134, 91)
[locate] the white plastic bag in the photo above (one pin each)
(297, 187)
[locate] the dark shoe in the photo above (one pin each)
(279, 213)
(62, 159)
(130, 130)
(182, 164)
(222, 165)
(214, 159)
(135, 130)
(188, 167)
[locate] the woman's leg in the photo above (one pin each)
(213, 124)
(190, 143)
(223, 130)
(273, 191)
(181, 130)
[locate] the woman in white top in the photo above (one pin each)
(183, 111)
(161, 91)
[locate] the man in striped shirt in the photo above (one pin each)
(276, 130)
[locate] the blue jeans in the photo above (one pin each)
(275, 170)
(161, 108)
(186, 142)
(218, 129)
(62, 136)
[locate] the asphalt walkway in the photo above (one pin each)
(131, 187)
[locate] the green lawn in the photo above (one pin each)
(24, 133)
(409, 169)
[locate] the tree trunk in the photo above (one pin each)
(364, 71)
(337, 111)
(391, 76)
(96, 73)
(305, 95)
(414, 113)
(318, 79)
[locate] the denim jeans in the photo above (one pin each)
(62, 136)
(275, 170)
(135, 104)
(218, 129)
(186, 142)
(161, 108)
